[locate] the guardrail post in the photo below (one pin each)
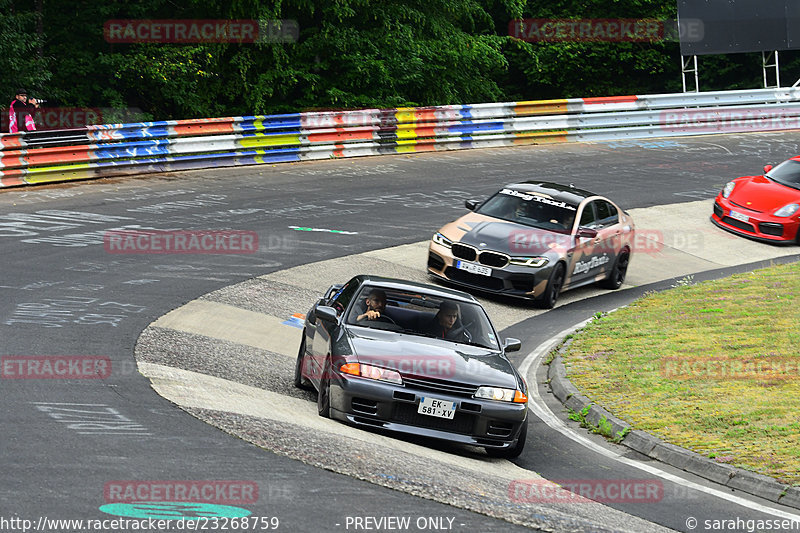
(765, 65)
(689, 66)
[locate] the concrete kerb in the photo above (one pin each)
(655, 448)
(791, 497)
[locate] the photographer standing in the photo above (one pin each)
(20, 113)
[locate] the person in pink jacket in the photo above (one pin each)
(20, 113)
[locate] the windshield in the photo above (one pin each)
(420, 314)
(787, 173)
(537, 210)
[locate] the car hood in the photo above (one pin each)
(762, 194)
(431, 358)
(489, 233)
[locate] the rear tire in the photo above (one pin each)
(513, 451)
(616, 277)
(551, 292)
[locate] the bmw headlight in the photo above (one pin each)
(787, 210)
(440, 239)
(534, 262)
(728, 189)
(502, 395)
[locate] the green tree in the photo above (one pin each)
(350, 54)
(21, 61)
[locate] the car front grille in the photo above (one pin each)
(771, 228)
(493, 259)
(486, 282)
(405, 413)
(439, 385)
(718, 210)
(486, 257)
(739, 224)
(462, 251)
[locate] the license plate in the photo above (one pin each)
(435, 407)
(739, 216)
(475, 269)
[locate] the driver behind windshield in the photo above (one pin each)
(375, 306)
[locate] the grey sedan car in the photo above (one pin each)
(397, 356)
(533, 240)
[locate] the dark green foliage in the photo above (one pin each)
(22, 62)
(350, 54)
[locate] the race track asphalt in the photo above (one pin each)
(63, 294)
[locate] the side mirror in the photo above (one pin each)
(588, 233)
(472, 205)
(512, 345)
(767, 168)
(328, 314)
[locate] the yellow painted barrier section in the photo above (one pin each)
(406, 132)
(541, 107)
(540, 137)
(64, 173)
(269, 140)
(406, 114)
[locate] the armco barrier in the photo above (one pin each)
(120, 149)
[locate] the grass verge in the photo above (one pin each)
(713, 367)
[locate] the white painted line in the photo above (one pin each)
(538, 407)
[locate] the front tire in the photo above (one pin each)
(299, 380)
(515, 450)
(551, 292)
(616, 277)
(324, 394)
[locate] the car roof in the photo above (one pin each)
(566, 193)
(405, 285)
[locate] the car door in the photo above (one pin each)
(590, 257)
(609, 232)
(322, 332)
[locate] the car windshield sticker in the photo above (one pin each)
(535, 197)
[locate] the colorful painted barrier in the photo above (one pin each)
(138, 148)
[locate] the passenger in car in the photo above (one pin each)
(447, 323)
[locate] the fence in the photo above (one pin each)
(138, 148)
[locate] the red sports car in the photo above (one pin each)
(765, 208)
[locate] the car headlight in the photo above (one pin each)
(787, 210)
(728, 189)
(440, 239)
(372, 372)
(503, 395)
(534, 262)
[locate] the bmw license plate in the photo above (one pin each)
(435, 407)
(475, 269)
(739, 216)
